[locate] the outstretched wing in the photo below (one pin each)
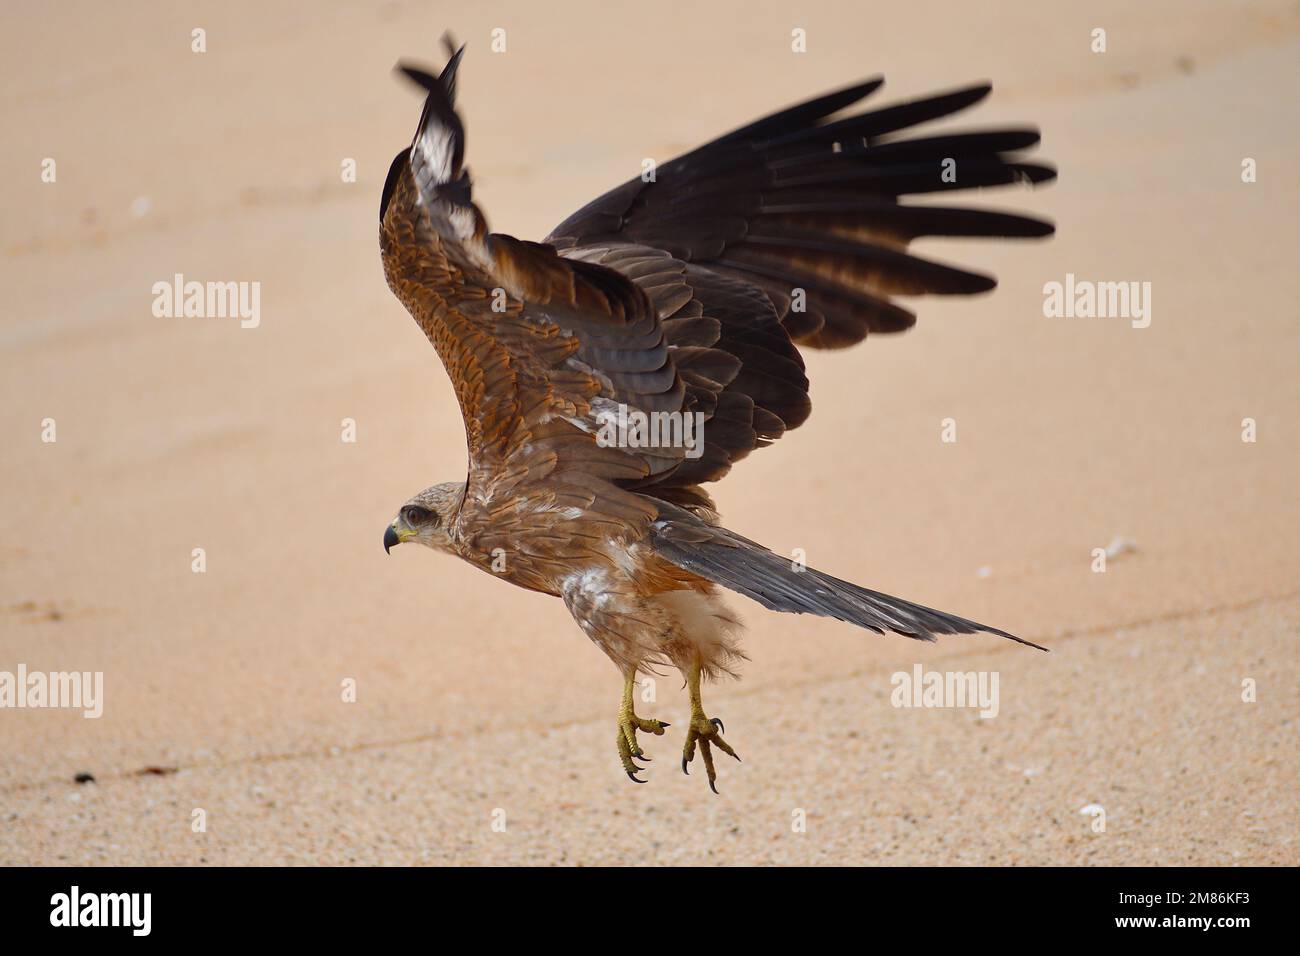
(687, 294)
(789, 231)
(541, 350)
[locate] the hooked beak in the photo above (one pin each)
(391, 539)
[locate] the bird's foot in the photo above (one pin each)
(628, 725)
(707, 732)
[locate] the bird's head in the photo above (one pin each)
(426, 518)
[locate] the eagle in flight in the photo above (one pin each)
(687, 292)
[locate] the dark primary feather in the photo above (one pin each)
(439, 103)
(789, 232)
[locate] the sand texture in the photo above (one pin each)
(479, 703)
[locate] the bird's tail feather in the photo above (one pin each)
(741, 565)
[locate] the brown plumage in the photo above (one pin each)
(688, 295)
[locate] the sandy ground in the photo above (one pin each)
(478, 703)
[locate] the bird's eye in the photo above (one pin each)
(416, 515)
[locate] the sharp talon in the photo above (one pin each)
(684, 770)
(632, 776)
(711, 787)
(718, 723)
(664, 725)
(643, 757)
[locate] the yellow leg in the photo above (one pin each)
(704, 730)
(628, 724)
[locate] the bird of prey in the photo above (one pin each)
(687, 291)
